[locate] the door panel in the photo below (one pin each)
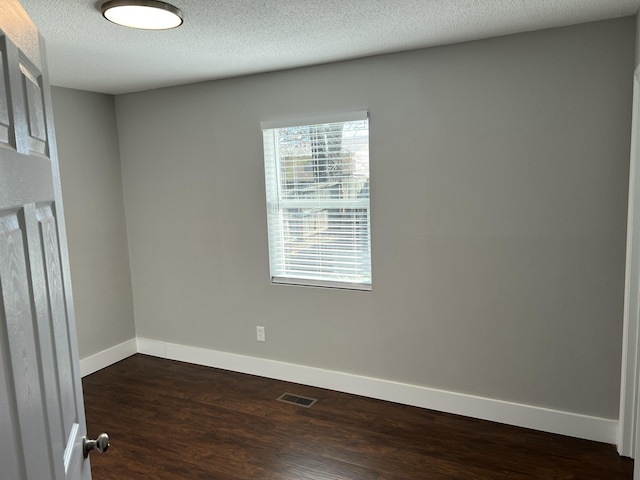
(5, 113)
(45, 335)
(31, 83)
(49, 241)
(10, 453)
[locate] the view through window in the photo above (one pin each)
(317, 182)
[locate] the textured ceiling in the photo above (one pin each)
(225, 38)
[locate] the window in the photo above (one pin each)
(317, 183)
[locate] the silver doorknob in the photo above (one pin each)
(101, 444)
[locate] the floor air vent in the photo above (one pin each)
(296, 400)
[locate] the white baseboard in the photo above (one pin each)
(108, 357)
(537, 418)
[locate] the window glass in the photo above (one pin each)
(317, 182)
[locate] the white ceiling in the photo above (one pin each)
(225, 38)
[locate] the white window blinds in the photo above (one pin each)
(317, 183)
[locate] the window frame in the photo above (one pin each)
(274, 198)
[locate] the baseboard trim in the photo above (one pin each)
(108, 357)
(537, 418)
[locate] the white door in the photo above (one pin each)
(42, 421)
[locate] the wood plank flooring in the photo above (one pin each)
(170, 420)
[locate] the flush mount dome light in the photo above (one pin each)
(144, 14)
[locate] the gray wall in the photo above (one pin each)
(94, 209)
(499, 184)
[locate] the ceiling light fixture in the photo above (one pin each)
(144, 14)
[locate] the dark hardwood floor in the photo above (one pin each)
(171, 420)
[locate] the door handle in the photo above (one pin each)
(101, 444)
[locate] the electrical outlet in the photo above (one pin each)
(260, 336)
